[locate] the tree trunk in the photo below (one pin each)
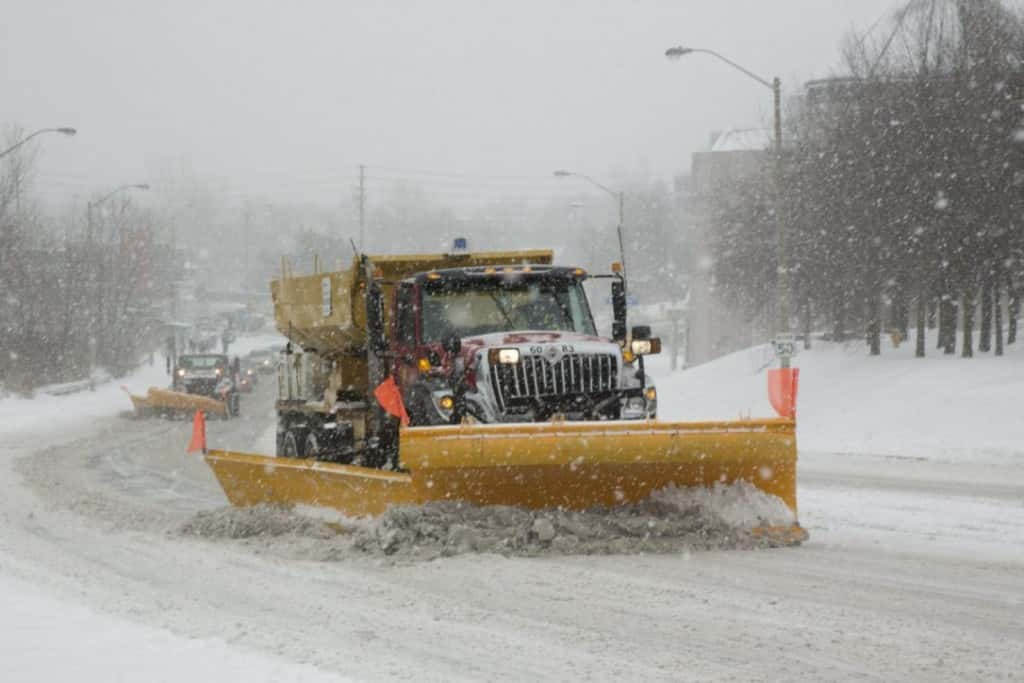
(947, 324)
(874, 326)
(985, 335)
(839, 322)
(900, 313)
(807, 323)
(1014, 310)
(922, 315)
(968, 306)
(997, 304)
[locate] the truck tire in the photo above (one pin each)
(312, 446)
(291, 445)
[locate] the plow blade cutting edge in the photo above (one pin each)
(569, 465)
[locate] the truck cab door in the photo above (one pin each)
(403, 331)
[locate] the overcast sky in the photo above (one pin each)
(288, 98)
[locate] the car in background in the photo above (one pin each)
(264, 360)
(248, 376)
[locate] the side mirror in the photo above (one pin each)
(619, 310)
(452, 344)
(641, 332)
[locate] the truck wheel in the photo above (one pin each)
(290, 445)
(312, 449)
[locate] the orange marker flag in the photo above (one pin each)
(390, 399)
(198, 442)
(782, 386)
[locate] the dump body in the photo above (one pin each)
(327, 311)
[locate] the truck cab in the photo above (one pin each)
(207, 374)
(513, 343)
(447, 339)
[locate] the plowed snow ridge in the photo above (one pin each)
(673, 520)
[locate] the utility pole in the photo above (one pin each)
(362, 207)
(245, 273)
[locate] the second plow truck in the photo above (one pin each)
(480, 377)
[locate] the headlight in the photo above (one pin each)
(217, 372)
(651, 394)
(181, 373)
(447, 402)
(506, 356)
(248, 371)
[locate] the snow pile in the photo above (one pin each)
(943, 408)
(48, 412)
(256, 521)
(673, 520)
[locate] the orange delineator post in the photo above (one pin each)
(782, 387)
(198, 442)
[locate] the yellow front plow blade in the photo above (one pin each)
(570, 465)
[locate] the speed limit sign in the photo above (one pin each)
(784, 345)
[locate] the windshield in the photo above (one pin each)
(200, 362)
(480, 307)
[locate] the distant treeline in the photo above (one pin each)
(899, 192)
(73, 297)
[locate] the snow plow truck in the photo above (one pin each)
(481, 378)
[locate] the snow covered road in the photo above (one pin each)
(914, 571)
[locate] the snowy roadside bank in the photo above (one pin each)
(24, 416)
(941, 408)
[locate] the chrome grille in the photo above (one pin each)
(533, 377)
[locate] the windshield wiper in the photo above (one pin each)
(501, 309)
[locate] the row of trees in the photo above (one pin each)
(74, 299)
(901, 195)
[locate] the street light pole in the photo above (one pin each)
(97, 323)
(781, 322)
(620, 196)
(62, 131)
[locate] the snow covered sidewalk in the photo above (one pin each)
(942, 408)
(45, 639)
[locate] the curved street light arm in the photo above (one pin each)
(620, 196)
(64, 131)
(680, 51)
(140, 186)
(596, 184)
(93, 204)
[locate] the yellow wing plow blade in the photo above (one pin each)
(570, 465)
(166, 401)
